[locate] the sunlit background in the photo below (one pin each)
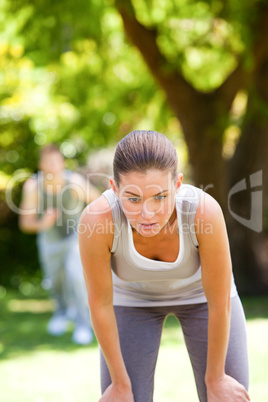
(73, 74)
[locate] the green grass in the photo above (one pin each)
(36, 367)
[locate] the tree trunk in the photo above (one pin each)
(249, 239)
(204, 141)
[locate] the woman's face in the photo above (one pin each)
(52, 163)
(148, 199)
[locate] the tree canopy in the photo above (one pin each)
(84, 74)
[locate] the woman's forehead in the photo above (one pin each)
(153, 180)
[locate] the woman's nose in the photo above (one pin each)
(146, 211)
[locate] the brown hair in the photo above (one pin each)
(142, 150)
(49, 149)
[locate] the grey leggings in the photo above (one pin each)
(140, 331)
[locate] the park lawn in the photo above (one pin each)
(36, 367)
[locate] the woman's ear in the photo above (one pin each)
(179, 181)
(114, 186)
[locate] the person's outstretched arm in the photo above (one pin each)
(216, 277)
(95, 241)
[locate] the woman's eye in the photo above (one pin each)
(134, 199)
(160, 197)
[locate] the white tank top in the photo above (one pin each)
(139, 281)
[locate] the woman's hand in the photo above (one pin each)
(226, 389)
(115, 393)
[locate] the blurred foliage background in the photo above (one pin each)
(83, 74)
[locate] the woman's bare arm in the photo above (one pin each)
(95, 241)
(216, 277)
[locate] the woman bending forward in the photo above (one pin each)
(152, 246)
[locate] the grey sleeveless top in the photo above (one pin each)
(69, 208)
(140, 281)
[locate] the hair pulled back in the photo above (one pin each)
(142, 150)
(49, 149)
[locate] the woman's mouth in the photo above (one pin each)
(147, 226)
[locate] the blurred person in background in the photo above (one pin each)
(52, 202)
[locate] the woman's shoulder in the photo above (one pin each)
(188, 192)
(188, 198)
(203, 204)
(208, 208)
(30, 184)
(98, 210)
(96, 224)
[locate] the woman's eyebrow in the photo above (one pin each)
(136, 195)
(129, 192)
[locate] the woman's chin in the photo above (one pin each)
(148, 230)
